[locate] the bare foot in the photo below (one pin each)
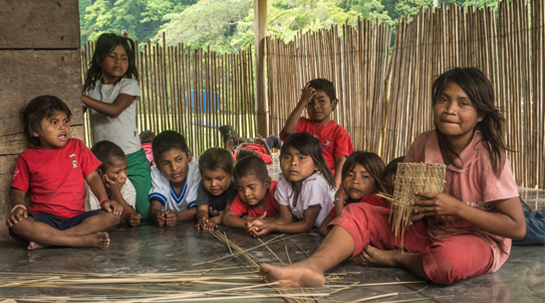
(372, 256)
(35, 246)
(294, 275)
(100, 240)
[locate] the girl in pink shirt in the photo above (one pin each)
(470, 225)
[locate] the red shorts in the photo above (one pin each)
(447, 261)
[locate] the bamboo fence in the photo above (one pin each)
(385, 100)
(193, 92)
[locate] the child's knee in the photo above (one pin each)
(22, 227)
(110, 219)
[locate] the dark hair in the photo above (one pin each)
(242, 153)
(106, 152)
(147, 136)
(251, 165)
(310, 146)
(391, 168)
(481, 93)
(104, 45)
(372, 163)
(217, 158)
(38, 109)
(324, 85)
(166, 141)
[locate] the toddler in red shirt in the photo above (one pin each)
(255, 197)
(319, 99)
(53, 170)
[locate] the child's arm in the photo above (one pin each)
(325, 223)
(263, 142)
(16, 197)
(202, 217)
(156, 213)
(340, 197)
(97, 187)
(291, 124)
(339, 161)
(232, 220)
(509, 222)
(121, 103)
(185, 215)
(130, 217)
(284, 224)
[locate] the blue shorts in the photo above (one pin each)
(59, 223)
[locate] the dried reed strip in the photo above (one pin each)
(287, 253)
(377, 297)
(272, 252)
(419, 299)
(301, 249)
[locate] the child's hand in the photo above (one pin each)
(260, 229)
(437, 205)
(255, 224)
(160, 219)
(259, 140)
(307, 95)
(170, 218)
(111, 185)
(342, 194)
(112, 207)
(16, 216)
(202, 223)
(134, 219)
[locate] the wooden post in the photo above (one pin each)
(260, 32)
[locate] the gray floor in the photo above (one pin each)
(178, 250)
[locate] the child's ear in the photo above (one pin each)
(334, 104)
(99, 171)
(268, 182)
(480, 117)
(189, 156)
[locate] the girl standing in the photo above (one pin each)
(470, 225)
(305, 188)
(111, 94)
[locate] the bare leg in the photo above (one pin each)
(42, 235)
(337, 247)
(103, 221)
(372, 256)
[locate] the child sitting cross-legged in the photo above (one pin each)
(53, 169)
(113, 172)
(362, 179)
(255, 197)
(217, 189)
(175, 182)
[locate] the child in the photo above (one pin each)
(217, 189)
(146, 137)
(113, 172)
(53, 170)
(111, 94)
(305, 188)
(319, 99)
(260, 147)
(255, 197)
(469, 225)
(175, 182)
(390, 174)
(362, 179)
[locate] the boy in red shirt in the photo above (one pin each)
(319, 99)
(255, 197)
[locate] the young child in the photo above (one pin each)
(390, 174)
(53, 170)
(113, 172)
(217, 189)
(175, 181)
(111, 94)
(362, 179)
(146, 137)
(255, 197)
(260, 147)
(305, 188)
(470, 224)
(319, 99)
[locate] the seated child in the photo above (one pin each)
(53, 169)
(255, 197)
(305, 188)
(217, 189)
(146, 137)
(175, 182)
(260, 147)
(319, 99)
(362, 179)
(113, 172)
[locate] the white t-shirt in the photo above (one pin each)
(161, 189)
(314, 192)
(121, 130)
(128, 192)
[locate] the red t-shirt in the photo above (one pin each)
(55, 178)
(259, 149)
(372, 199)
(271, 205)
(334, 138)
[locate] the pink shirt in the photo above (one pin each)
(474, 183)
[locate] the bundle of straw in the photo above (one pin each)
(411, 178)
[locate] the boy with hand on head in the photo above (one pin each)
(175, 182)
(319, 99)
(119, 188)
(255, 199)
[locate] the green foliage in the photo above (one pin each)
(368, 9)
(480, 3)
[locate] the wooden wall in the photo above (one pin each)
(39, 55)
